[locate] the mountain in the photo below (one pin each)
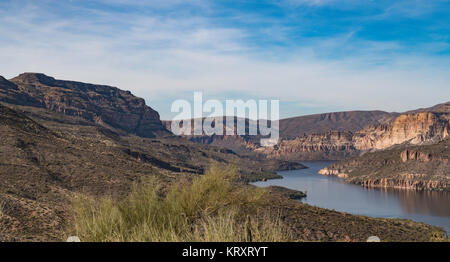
(103, 105)
(310, 137)
(369, 143)
(242, 144)
(439, 108)
(58, 140)
(414, 127)
(351, 121)
(412, 151)
(42, 169)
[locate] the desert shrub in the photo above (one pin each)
(211, 207)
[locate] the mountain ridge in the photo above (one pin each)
(104, 105)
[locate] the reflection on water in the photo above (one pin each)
(422, 202)
(333, 193)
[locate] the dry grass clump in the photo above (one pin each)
(209, 208)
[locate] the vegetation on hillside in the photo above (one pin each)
(211, 207)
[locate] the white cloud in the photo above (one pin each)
(158, 57)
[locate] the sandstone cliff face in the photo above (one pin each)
(104, 105)
(412, 128)
(415, 128)
(329, 145)
(415, 155)
(312, 137)
(333, 172)
(408, 181)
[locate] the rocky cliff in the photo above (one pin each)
(331, 145)
(312, 137)
(366, 131)
(104, 105)
(415, 128)
(419, 167)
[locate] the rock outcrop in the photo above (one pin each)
(331, 145)
(407, 155)
(419, 167)
(104, 105)
(407, 181)
(333, 172)
(413, 128)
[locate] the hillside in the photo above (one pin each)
(415, 128)
(350, 121)
(104, 105)
(41, 169)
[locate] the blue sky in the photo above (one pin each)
(313, 55)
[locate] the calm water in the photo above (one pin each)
(332, 193)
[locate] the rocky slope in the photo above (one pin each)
(349, 121)
(103, 105)
(313, 137)
(412, 128)
(331, 145)
(415, 128)
(335, 136)
(426, 128)
(418, 167)
(42, 165)
(243, 144)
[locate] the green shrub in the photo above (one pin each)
(211, 207)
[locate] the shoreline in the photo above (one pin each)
(287, 188)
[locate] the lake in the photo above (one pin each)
(333, 193)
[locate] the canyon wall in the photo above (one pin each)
(410, 128)
(413, 128)
(331, 141)
(419, 167)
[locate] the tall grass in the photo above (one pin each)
(208, 208)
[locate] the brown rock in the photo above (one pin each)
(104, 105)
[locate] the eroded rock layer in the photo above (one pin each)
(419, 128)
(104, 105)
(419, 167)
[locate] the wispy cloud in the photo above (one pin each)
(164, 51)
